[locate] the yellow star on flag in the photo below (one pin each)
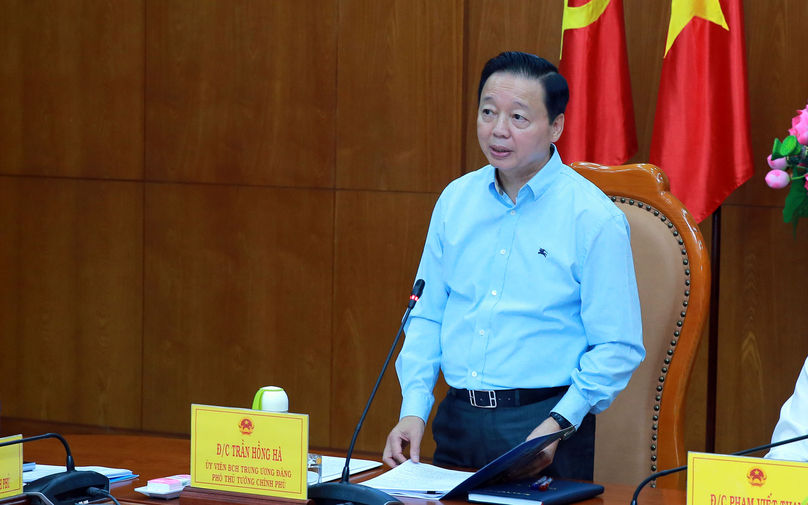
(682, 11)
(579, 17)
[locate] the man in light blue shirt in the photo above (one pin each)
(530, 308)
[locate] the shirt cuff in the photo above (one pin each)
(573, 406)
(419, 405)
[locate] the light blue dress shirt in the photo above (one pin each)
(536, 294)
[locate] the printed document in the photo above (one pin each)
(418, 480)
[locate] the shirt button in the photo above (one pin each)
(494, 292)
(482, 332)
(502, 251)
(474, 374)
(513, 212)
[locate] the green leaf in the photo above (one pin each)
(776, 150)
(796, 204)
(789, 147)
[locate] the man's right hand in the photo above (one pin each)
(409, 430)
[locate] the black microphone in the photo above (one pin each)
(417, 291)
(64, 488)
(684, 467)
(333, 493)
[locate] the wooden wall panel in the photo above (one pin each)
(762, 326)
(237, 296)
(646, 33)
(399, 94)
(696, 402)
(241, 91)
(379, 240)
(72, 81)
(71, 300)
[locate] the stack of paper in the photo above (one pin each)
(113, 474)
(418, 480)
(332, 467)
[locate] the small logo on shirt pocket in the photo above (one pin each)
(543, 252)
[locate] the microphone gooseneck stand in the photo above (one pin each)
(344, 492)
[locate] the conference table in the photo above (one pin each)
(154, 457)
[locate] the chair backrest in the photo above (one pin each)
(643, 430)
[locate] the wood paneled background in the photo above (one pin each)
(198, 198)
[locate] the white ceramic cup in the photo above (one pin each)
(271, 399)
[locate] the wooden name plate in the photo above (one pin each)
(198, 496)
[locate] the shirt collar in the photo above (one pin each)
(539, 183)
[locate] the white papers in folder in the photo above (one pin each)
(418, 480)
(113, 474)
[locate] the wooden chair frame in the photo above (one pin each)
(645, 186)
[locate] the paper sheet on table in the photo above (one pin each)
(418, 480)
(332, 467)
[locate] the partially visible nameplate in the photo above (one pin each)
(10, 468)
(249, 451)
(714, 479)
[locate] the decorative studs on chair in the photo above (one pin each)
(679, 323)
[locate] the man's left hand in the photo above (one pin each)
(545, 457)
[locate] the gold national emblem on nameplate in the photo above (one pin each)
(246, 427)
(756, 476)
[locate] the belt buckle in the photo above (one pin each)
(492, 399)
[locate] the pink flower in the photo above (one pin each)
(777, 179)
(778, 164)
(799, 126)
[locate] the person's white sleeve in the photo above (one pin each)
(793, 423)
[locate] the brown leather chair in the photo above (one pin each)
(643, 430)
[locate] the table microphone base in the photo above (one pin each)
(66, 488)
(335, 493)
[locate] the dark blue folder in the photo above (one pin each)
(560, 492)
(505, 465)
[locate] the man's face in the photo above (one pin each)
(513, 126)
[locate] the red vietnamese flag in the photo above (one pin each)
(599, 124)
(701, 129)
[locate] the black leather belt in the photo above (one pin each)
(505, 397)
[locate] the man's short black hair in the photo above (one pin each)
(556, 91)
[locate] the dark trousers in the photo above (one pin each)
(471, 437)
